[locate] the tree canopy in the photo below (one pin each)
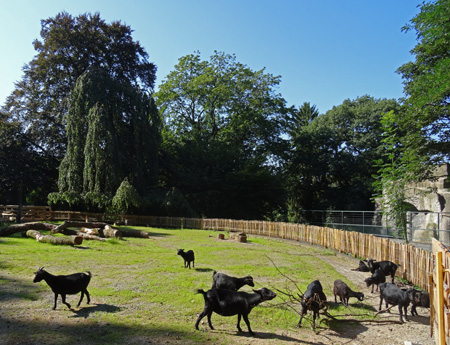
(221, 129)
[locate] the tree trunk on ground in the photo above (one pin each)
(69, 240)
(14, 228)
(105, 230)
(134, 233)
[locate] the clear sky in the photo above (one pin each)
(325, 51)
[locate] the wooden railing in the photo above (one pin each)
(29, 213)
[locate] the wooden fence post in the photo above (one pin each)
(440, 297)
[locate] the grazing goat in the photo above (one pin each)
(344, 292)
(229, 303)
(375, 279)
(387, 267)
(188, 257)
(362, 267)
(65, 284)
(223, 281)
(392, 294)
(314, 299)
(418, 299)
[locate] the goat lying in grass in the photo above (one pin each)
(65, 284)
(229, 303)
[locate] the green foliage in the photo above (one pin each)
(126, 200)
(330, 165)
(426, 117)
(221, 136)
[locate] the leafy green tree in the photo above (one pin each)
(126, 200)
(113, 134)
(221, 133)
(331, 162)
(426, 115)
(69, 47)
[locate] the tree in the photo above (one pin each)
(331, 161)
(68, 48)
(221, 131)
(426, 115)
(113, 135)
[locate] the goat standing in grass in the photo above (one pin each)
(224, 281)
(188, 257)
(65, 285)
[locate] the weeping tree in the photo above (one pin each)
(113, 135)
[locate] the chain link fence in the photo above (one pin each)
(422, 226)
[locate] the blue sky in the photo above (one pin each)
(325, 51)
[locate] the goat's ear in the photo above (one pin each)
(257, 291)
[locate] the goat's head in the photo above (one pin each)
(360, 296)
(39, 275)
(180, 251)
(266, 294)
(249, 281)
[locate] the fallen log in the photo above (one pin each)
(14, 228)
(75, 224)
(134, 233)
(68, 240)
(103, 229)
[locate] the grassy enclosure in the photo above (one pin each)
(141, 293)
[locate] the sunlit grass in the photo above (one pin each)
(140, 286)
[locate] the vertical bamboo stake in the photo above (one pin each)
(440, 297)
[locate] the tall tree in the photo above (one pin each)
(331, 162)
(221, 130)
(70, 46)
(426, 114)
(113, 135)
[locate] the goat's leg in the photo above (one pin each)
(209, 320)
(200, 317)
(193, 263)
(245, 316)
(81, 298)
(239, 323)
(400, 312)
(405, 308)
(56, 299)
(87, 295)
(301, 318)
(381, 301)
(63, 297)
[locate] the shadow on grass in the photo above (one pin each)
(203, 269)
(17, 289)
(86, 311)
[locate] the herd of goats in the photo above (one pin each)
(224, 298)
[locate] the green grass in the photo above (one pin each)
(141, 292)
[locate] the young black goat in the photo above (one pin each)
(392, 294)
(387, 267)
(362, 267)
(223, 281)
(229, 303)
(375, 279)
(314, 299)
(65, 285)
(187, 256)
(418, 299)
(344, 292)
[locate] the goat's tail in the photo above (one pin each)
(200, 291)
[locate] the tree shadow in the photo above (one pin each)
(17, 289)
(86, 311)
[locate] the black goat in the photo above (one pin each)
(65, 284)
(392, 294)
(387, 267)
(375, 279)
(362, 267)
(314, 299)
(229, 303)
(344, 292)
(223, 281)
(188, 257)
(418, 299)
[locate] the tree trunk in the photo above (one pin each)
(69, 240)
(135, 233)
(12, 229)
(104, 230)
